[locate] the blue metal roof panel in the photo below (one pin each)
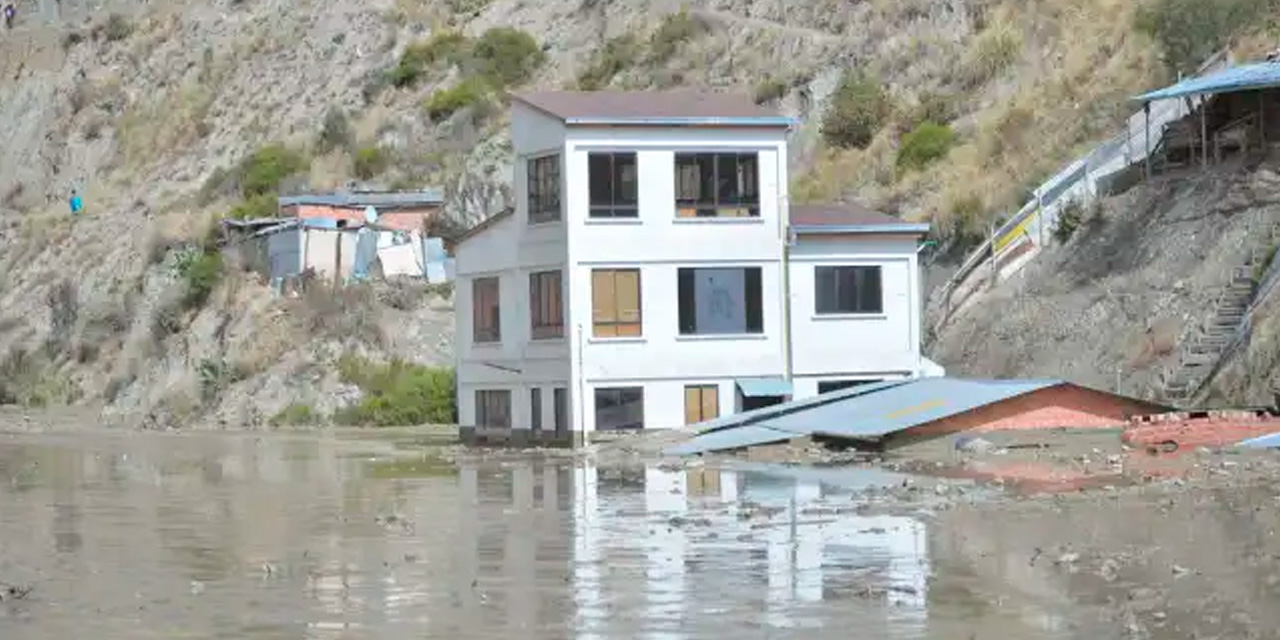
(1269, 441)
(763, 387)
(729, 439)
(1240, 78)
(756, 415)
(905, 227)
(873, 415)
(757, 121)
(398, 199)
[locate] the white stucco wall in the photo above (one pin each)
(511, 249)
(852, 347)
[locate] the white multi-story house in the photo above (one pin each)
(652, 274)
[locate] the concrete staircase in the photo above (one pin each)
(1200, 355)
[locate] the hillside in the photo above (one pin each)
(159, 113)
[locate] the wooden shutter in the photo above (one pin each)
(710, 402)
(692, 405)
(604, 305)
(627, 290)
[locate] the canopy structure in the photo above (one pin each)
(1249, 77)
(763, 387)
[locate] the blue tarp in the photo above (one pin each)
(366, 253)
(1247, 77)
(763, 387)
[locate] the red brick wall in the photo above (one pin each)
(1063, 406)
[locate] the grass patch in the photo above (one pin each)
(370, 162)
(397, 393)
(857, 110)
(994, 50)
(1069, 220)
(418, 58)
(200, 272)
(264, 170)
(263, 205)
(925, 144)
(115, 29)
(617, 55)
(297, 415)
(676, 30)
(445, 102)
(507, 56)
(769, 90)
(335, 133)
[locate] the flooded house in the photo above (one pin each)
(653, 273)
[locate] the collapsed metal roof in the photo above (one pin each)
(866, 412)
(1248, 77)
(358, 199)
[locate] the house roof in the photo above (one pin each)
(865, 412)
(848, 218)
(653, 108)
(486, 223)
(385, 200)
(1247, 77)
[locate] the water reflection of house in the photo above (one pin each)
(654, 551)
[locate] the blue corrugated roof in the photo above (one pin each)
(924, 400)
(866, 412)
(1269, 441)
(426, 197)
(763, 387)
(1241, 78)
(728, 439)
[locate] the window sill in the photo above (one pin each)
(819, 317)
(614, 221)
(710, 220)
(712, 337)
(538, 224)
(618, 340)
(551, 341)
(486, 344)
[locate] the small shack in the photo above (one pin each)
(396, 210)
(1230, 113)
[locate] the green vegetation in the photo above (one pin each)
(996, 49)
(370, 162)
(770, 89)
(296, 415)
(397, 393)
(1069, 220)
(263, 205)
(857, 110)
(613, 58)
(446, 102)
(928, 142)
(115, 29)
(446, 46)
(335, 133)
(263, 171)
(676, 30)
(1189, 31)
(506, 56)
(200, 271)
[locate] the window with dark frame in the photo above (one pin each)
(615, 303)
(546, 310)
(486, 310)
(493, 408)
(560, 400)
(849, 289)
(717, 185)
(619, 408)
(612, 185)
(720, 301)
(535, 409)
(701, 402)
(544, 189)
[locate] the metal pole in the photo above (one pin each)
(1146, 128)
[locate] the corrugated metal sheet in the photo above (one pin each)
(728, 439)
(1247, 77)
(1269, 441)
(763, 387)
(428, 197)
(924, 400)
(864, 412)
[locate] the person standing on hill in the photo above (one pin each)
(76, 204)
(9, 13)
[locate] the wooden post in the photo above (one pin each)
(337, 259)
(1204, 132)
(1146, 130)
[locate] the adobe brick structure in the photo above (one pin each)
(1062, 406)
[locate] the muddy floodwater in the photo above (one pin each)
(242, 536)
